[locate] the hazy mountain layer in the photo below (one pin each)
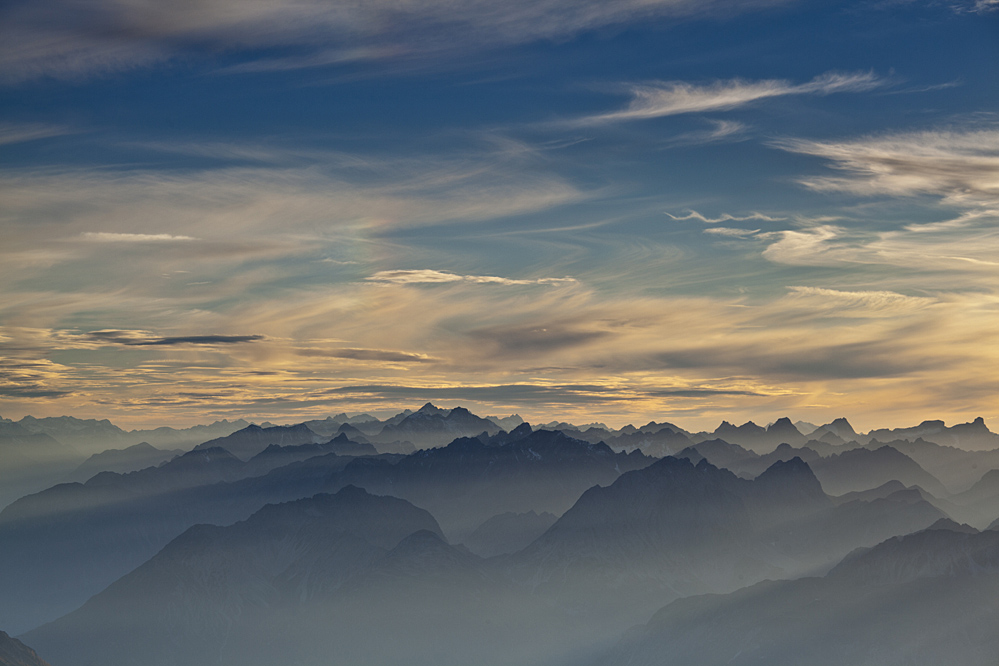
(59, 547)
(929, 598)
(471, 480)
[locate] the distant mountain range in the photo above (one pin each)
(436, 536)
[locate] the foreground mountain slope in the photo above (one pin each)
(674, 529)
(924, 599)
(15, 653)
(207, 582)
(60, 547)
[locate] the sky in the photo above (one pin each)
(615, 211)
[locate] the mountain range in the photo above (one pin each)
(439, 537)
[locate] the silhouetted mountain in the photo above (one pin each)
(958, 469)
(839, 428)
(472, 479)
(251, 440)
(186, 438)
(331, 425)
(432, 426)
(507, 423)
(93, 436)
(863, 469)
(743, 462)
(970, 436)
(15, 653)
(805, 428)
(508, 532)
(122, 461)
(665, 441)
(753, 437)
(922, 600)
(87, 435)
(59, 547)
(30, 461)
(748, 435)
(719, 453)
(352, 432)
(673, 529)
(782, 431)
(881, 492)
(979, 505)
(210, 583)
(275, 456)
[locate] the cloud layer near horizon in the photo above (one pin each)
(620, 211)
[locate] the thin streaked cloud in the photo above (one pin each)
(670, 98)
(430, 276)
(961, 166)
(114, 237)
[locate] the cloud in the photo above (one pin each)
(723, 130)
(536, 394)
(725, 217)
(142, 339)
(670, 98)
(67, 38)
(430, 276)
(819, 301)
(21, 132)
(806, 246)
(735, 233)
(961, 166)
(110, 237)
(518, 341)
(367, 355)
(31, 378)
(954, 251)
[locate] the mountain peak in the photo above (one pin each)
(523, 430)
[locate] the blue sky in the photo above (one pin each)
(615, 211)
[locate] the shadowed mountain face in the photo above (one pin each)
(472, 479)
(863, 469)
(508, 532)
(122, 461)
(974, 436)
(567, 542)
(958, 469)
(209, 583)
(15, 653)
(674, 529)
(93, 436)
(251, 440)
(31, 461)
(60, 546)
(432, 426)
(929, 598)
(338, 580)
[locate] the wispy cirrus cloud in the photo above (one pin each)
(115, 237)
(670, 98)
(727, 231)
(357, 354)
(724, 217)
(69, 39)
(431, 276)
(21, 132)
(961, 166)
